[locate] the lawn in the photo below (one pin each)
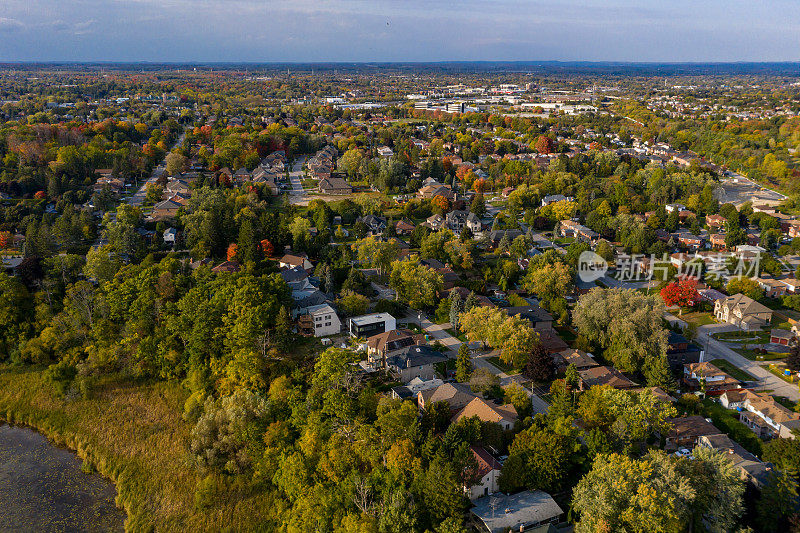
(733, 370)
(727, 421)
(508, 369)
(778, 371)
(699, 318)
(134, 435)
(459, 336)
(753, 337)
(753, 356)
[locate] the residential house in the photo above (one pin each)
(388, 343)
(539, 319)
(715, 221)
(165, 210)
(573, 356)
(435, 222)
(717, 241)
(751, 469)
(474, 224)
(334, 186)
(433, 189)
(456, 220)
(767, 418)
(553, 198)
(792, 285)
(375, 224)
(783, 337)
(456, 395)
(227, 266)
(517, 512)
(415, 362)
(488, 473)
(404, 227)
(324, 320)
(410, 390)
(710, 295)
(708, 377)
(604, 375)
(686, 430)
(292, 261)
(570, 228)
(680, 351)
(170, 236)
(370, 325)
(743, 312)
(773, 288)
(693, 242)
(487, 411)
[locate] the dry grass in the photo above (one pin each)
(134, 435)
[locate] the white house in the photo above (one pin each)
(325, 320)
(488, 469)
(170, 234)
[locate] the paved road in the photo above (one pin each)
(297, 195)
(139, 196)
(719, 350)
(438, 332)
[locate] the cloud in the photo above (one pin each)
(9, 25)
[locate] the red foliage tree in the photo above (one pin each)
(267, 248)
(5, 239)
(232, 249)
(682, 293)
(40, 195)
(545, 145)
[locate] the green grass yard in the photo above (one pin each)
(732, 369)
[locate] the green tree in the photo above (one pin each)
(414, 283)
(464, 366)
(778, 501)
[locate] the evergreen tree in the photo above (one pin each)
(505, 244)
(247, 245)
(659, 374)
(283, 329)
(329, 286)
(540, 365)
(456, 308)
(471, 301)
(464, 365)
(793, 359)
(778, 501)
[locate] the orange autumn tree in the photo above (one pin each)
(441, 203)
(267, 248)
(479, 185)
(232, 249)
(5, 239)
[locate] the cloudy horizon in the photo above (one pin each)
(398, 31)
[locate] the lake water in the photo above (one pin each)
(43, 489)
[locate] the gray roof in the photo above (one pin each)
(527, 509)
(414, 356)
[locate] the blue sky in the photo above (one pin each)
(399, 30)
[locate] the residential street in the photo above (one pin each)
(719, 350)
(139, 196)
(438, 332)
(297, 195)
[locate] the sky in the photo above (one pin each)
(399, 30)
